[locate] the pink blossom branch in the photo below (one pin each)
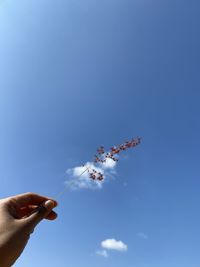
(101, 157)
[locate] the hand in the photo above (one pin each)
(19, 215)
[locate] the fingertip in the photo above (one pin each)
(53, 200)
(52, 216)
(55, 203)
(49, 204)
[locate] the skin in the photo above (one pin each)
(19, 215)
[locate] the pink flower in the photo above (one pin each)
(102, 156)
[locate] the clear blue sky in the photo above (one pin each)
(77, 74)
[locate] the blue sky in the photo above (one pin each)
(79, 74)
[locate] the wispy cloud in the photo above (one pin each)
(142, 235)
(113, 244)
(102, 253)
(78, 177)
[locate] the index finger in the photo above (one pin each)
(31, 199)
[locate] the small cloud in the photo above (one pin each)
(113, 244)
(109, 164)
(79, 177)
(142, 235)
(102, 253)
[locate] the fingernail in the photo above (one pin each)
(49, 204)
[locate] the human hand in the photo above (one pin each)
(19, 215)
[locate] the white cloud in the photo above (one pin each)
(77, 171)
(142, 235)
(109, 164)
(102, 253)
(78, 177)
(113, 244)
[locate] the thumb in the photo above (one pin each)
(41, 212)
